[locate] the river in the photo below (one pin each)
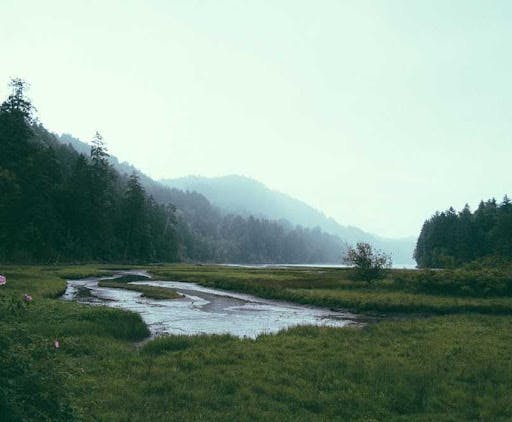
(205, 310)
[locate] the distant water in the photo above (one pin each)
(206, 311)
(395, 266)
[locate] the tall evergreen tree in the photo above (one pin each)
(136, 230)
(57, 205)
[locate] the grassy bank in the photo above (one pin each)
(35, 376)
(402, 291)
(152, 292)
(452, 367)
(440, 369)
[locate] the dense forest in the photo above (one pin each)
(64, 201)
(450, 238)
(207, 234)
(58, 205)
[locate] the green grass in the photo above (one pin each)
(129, 278)
(445, 368)
(438, 369)
(152, 292)
(441, 368)
(35, 377)
(334, 288)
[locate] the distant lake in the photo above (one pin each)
(395, 266)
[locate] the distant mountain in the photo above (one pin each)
(245, 196)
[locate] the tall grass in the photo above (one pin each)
(34, 375)
(403, 291)
(444, 368)
(153, 292)
(454, 367)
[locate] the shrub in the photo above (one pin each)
(369, 264)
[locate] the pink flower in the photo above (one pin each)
(3, 280)
(27, 298)
(56, 343)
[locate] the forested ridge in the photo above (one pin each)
(206, 234)
(451, 238)
(244, 196)
(58, 205)
(61, 205)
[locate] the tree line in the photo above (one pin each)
(451, 238)
(58, 205)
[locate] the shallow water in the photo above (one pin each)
(397, 266)
(204, 310)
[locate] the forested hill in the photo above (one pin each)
(58, 205)
(64, 201)
(245, 196)
(451, 238)
(207, 234)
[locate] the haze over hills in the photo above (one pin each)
(64, 200)
(240, 195)
(206, 233)
(246, 196)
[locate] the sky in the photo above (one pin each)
(376, 112)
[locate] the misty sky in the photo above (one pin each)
(376, 112)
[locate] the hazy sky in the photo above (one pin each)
(376, 112)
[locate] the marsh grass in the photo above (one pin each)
(444, 368)
(35, 376)
(130, 278)
(402, 291)
(152, 292)
(454, 367)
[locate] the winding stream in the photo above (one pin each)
(204, 310)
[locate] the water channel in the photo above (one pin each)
(204, 310)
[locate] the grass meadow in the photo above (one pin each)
(435, 356)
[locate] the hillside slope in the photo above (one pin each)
(245, 196)
(206, 234)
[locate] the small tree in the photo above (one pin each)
(369, 264)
